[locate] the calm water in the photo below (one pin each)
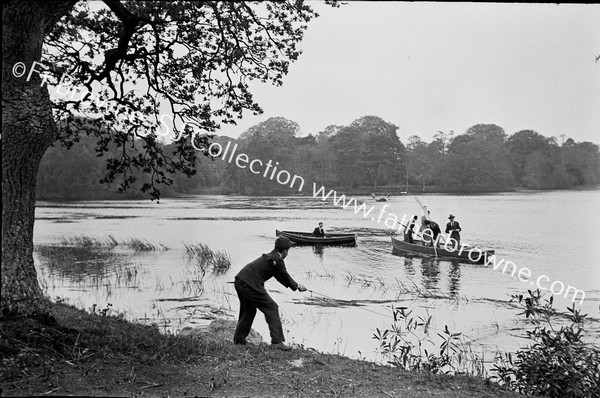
(553, 234)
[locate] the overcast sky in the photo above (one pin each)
(427, 67)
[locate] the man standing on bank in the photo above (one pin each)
(250, 287)
(454, 228)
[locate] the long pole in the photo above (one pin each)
(407, 173)
(429, 218)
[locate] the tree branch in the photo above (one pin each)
(130, 23)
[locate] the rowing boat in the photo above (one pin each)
(469, 254)
(307, 238)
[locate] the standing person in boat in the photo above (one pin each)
(425, 217)
(435, 229)
(319, 231)
(453, 227)
(250, 287)
(408, 236)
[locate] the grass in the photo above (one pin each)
(141, 245)
(89, 242)
(218, 262)
(99, 355)
(91, 261)
(88, 266)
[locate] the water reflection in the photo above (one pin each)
(454, 278)
(430, 268)
(318, 250)
(82, 265)
(408, 266)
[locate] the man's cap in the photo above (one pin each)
(282, 244)
(451, 216)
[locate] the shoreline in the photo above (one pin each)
(91, 354)
(349, 192)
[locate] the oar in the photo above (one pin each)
(442, 235)
(429, 218)
(423, 208)
(427, 215)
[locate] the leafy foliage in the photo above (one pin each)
(128, 72)
(478, 159)
(558, 363)
(404, 344)
(365, 155)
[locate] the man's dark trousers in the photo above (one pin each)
(250, 301)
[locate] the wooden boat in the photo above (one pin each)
(380, 199)
(307, 238)
(468, 254)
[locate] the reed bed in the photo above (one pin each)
(218, 262)
(87, 267)
(89, 262)
(88, 241)
(142, 245)
(325, 274)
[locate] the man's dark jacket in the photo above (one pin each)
(262, 269)
(456, 225)
(435, 228)
(454, 229)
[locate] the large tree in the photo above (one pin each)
(114, 69)
(520, 146)
(382, 153)
(270, 140)
(368, 150)
(478, 160)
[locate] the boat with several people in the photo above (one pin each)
(470, 254)
(307, 238)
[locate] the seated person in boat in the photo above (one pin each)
(453, 227)
(435, 233)
(319, 232)
(408, 235)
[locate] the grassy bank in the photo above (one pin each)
(96, 355)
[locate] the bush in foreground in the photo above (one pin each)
(559, 364)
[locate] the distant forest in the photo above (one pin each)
(363, 157)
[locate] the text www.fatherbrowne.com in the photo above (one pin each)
(270, 170)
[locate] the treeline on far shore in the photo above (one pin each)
(363, 157)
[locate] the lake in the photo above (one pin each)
(353, 288)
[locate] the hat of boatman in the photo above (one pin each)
(451, 216)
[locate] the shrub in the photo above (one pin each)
(558, 363)
(409, 345)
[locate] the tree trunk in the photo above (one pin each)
(28, 129)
